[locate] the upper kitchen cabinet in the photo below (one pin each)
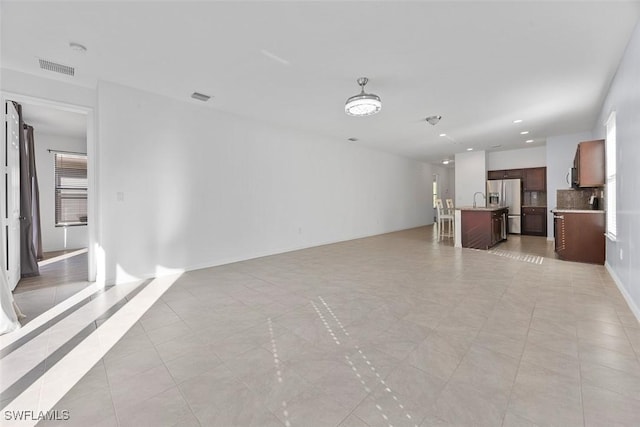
(535, 179)
(505, 174)
(589, 164)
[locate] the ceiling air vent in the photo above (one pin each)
(200, 96)
(58, 68)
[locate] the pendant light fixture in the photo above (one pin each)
(363, 104)
(433, 120)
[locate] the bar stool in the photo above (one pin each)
(444, 219)
(450, 208)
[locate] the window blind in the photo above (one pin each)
(70, 189)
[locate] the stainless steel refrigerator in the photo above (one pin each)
(506, 192)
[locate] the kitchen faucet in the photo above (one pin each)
(474, 197)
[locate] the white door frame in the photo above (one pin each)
(92, 166)
(11, 224)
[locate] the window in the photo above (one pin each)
(611, 176)
(435, 189)
(71, 189)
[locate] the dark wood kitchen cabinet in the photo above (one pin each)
(579, 236)
(483, 228)
(498, 227)
(534, 221)
(535, 179)
(505, 174)
(495, 175)
(589, 164)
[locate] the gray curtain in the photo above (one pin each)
(29, 202)
(35, 192)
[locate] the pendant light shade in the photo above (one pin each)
(433, 120)
(363, 104)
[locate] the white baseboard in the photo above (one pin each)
(632, 305)
(112, 280)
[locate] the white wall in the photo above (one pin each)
(48, 89)
(470, 177)
(53, 238)
(560, 151)
(530, 157)
(623, 255)
(199, 187)
(446, 182)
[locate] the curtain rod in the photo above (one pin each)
(65, 152)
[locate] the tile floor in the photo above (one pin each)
(69, 266)
(57, 282)
(392, 330)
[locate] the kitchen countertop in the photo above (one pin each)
(577, 210)
(481, 208)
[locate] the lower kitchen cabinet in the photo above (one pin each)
(534, 221)
(579, 235)
(483, 228)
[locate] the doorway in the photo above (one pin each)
(61, 132)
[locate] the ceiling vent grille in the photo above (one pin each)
(200, 96)
(55, 67)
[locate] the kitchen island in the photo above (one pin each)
(480, 227)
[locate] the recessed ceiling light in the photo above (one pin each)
(524, 132)
(517, 121)
(443, 134)
(529, 141)
(77, 47)
(445, 162)
(469, 149)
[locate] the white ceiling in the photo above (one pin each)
(54, 121)
(479, 64)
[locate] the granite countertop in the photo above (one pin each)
(560, 210)
(481, 208)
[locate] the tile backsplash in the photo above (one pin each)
(535, 198)
(577, 198)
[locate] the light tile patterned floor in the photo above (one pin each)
(392, 330)
(57, 281)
